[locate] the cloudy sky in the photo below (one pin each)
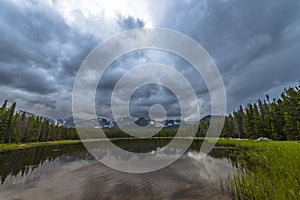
(255, 45)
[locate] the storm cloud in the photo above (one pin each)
(254, 44)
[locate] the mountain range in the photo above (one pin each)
(123, 122)
(127, 122)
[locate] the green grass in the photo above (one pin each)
(33, 144)
(268, 170)
(62, 142)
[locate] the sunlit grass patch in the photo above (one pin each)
(268, 170)
(32, 144)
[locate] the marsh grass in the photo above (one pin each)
(268, 170)
(4, 147)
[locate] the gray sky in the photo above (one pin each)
(42, 44)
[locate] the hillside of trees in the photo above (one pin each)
(278, 119)
(18, 128)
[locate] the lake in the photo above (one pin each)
(71, 172)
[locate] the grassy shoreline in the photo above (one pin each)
(4, 147)
(247, 143)
(269, 170)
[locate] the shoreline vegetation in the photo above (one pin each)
(15, 146)
(267, 170)
(233, 142)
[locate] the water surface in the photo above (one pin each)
(70, 172)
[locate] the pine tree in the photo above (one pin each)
(238, 121)
(249, 126)
(267, 120)
(290, 103)
(10, 128)
(257, 123)
(277, 120)
(3, 123)
(290, 127)
(228, 130)
(15, 138)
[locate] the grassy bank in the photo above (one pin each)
(33, 144)
(64, 142)
(269, 170)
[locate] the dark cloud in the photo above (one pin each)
(40, 54)
(254, 44)
(38, 38)
(148, 95)
(29, 32)
(26, 78)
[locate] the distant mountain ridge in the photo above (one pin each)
(127, 122)
(123, 122)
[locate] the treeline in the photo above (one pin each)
(278, 119)
(19, 128)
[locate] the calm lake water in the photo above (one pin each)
(70, 172)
